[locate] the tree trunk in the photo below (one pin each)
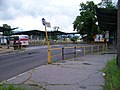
(118, 35)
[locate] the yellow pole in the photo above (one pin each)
(49, 56)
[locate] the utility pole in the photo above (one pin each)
(118, 35)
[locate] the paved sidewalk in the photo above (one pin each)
(4, 49)
(84, 73)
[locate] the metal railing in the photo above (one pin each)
(75, 51)
(17, 46)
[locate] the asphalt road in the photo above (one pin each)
(17, 63)
(20, 62)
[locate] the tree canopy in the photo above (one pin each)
(107, 4)
(6, 26)
(7, 33)
(86, 22)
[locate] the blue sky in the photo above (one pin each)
(27, 14)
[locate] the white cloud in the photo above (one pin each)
(27, 14)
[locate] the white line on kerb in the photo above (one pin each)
(17, 76)
(23, 73)
(11, 78)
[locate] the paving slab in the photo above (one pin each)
(83, 73)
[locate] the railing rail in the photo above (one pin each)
(75, 49)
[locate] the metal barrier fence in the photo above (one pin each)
(17, 46)
(73, 52)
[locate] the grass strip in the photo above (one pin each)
(112, 75)
(10, 87)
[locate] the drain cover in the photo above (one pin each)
(83, 87)
(86, 63)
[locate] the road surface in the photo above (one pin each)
(17, 63)
(20, 62)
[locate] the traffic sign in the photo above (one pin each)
(43, 21)
(48, 24)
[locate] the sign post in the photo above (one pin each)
(49, 54)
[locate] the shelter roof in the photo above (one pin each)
(56, 32)
(30, 32)
(38, 32)
(107, 19)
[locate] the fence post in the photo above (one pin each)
(84, 50)
(49, 56)
(103, 48)
(74, 52)
(62, 53)
(106, 46)
(18, 46)
(92, 49)
(21, 46)
(98, 48)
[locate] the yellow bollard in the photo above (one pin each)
(49, 56)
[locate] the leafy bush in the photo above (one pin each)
(74, 38)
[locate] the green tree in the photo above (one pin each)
(6, 26)
(74, 38)
(8, 31)
(86, 22)
(107, 4)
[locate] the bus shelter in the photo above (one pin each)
(107, 21)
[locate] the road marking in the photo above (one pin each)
(17, 76)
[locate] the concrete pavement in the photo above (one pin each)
(84, 73)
